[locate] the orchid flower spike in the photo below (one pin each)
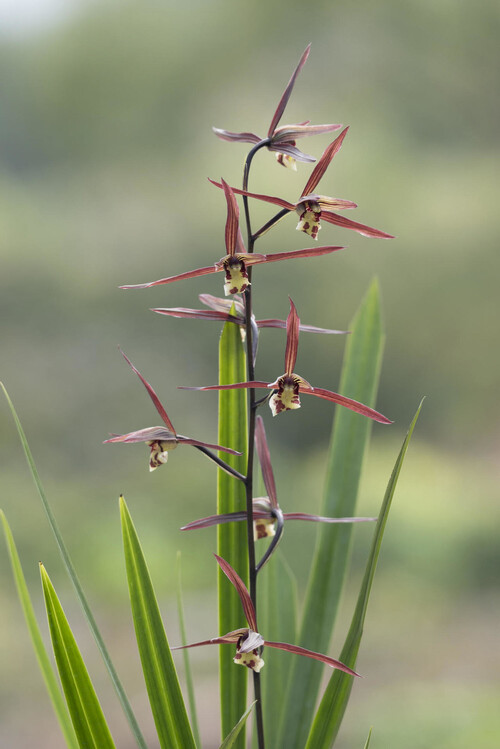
(248, 641)
(312, 207)
(267, 515)
(288, 387)
(222, 310)
(237, 260)
(282, 140)
(161, 440)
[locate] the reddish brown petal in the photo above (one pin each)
(265, 462)
(346, 223)
(232, 221)
(228, 517)
(242, 591)
(222, 305)
(292, 339)
(320, 519)
(266, 198)
(200, 314)
(324, 162)
(242, 137)
(197, 443)
(157, 403)
(293, 151)
(150, 434)
(292, 132)
(348, 403)
(230, 637)
(180, 277)
(287, 92)
(311, 654)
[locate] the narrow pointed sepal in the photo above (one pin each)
(332, 662)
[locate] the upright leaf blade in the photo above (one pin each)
(230, 740)
(165, 697)
(277, 607)
(41, 653)
(120, 692)
(88, 720)
(232, 537)
(185, 653)
(332, 707)
(351, 431)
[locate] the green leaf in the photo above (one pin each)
(89, 723)
(232, 537)
(185, 653)
(230, 740)
(368, 739)
(127, 709)
(351, 431)
(36, 638)
(277, 607)
(165, 697)
(332, 707)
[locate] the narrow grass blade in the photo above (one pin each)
(277, 607)
(232, 537)
(185, 653)
(230, 740)
(127, 709)
(165, 697)
(36, 638)
(332, 707)
(359, 380)
(368, 739)
(88, 720)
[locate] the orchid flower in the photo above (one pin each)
(282, 139)
(311, 206)
(287, 388)
(248, 641)
(267, 515)
(222, 310)
(235, 263)
(162, 440)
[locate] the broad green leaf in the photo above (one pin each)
(126, 707)
(36, 638)
(277, 607)
(230, 740)
(232, 537)
(332, 707)
(89, 723)
(185, 653)
(165, 697)
(351, 431)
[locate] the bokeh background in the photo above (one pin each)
(105, 145)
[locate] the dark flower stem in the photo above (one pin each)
(251, 436)
(270, 223)
(221, 463)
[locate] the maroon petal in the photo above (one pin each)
(234, 386)
(228, 517)
(287, 92)
(292, 151)
(150, 434)
(242, 137)
(157, 403)
(200, 314)
(311, 654)
(346, 223)
(222, 305)
(265, 461)
(197, 443)
(232, 222)
(258, 196)
(324, 162)
(320, 519)
(353, 405)
(242, 591)
(292, 339)
(230, 637)
(309, 252)
(292, 132)
(180, 277)
(303, 328)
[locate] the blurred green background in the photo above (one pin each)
(105, 146)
